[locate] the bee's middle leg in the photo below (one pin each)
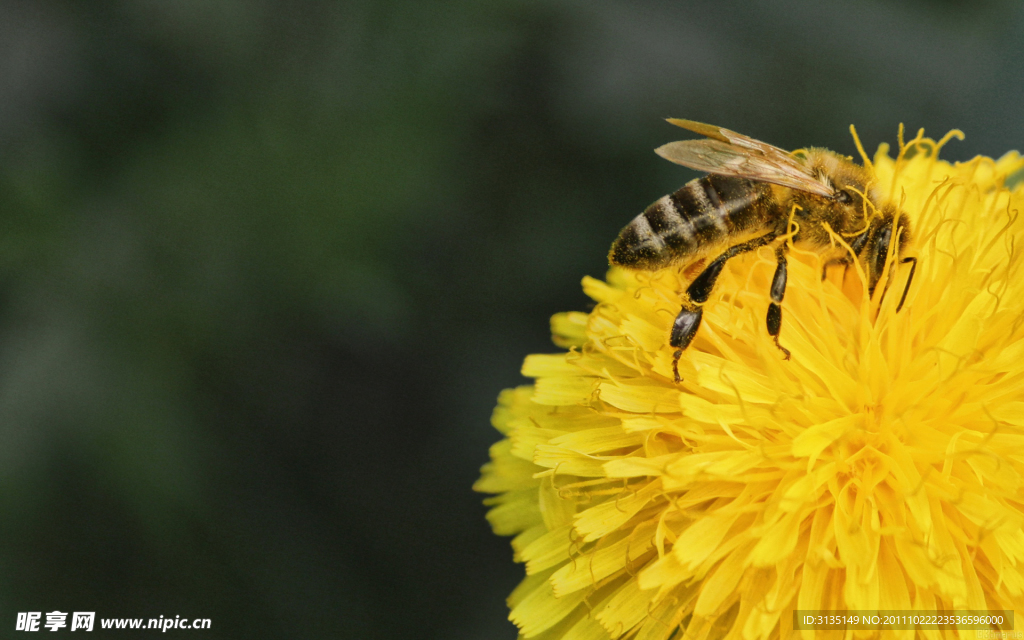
(778, 290)
(845, 262)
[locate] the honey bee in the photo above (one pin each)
(747, 200)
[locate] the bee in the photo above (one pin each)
(751, 193)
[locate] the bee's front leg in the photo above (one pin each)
(910, 278)
(778, 290)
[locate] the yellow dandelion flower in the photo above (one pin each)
(881, 467)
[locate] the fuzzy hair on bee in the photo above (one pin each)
(746, 202)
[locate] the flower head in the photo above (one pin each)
(881, 467)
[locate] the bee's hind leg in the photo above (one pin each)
(688, 320)
(683, 330)
(778, 290)
(685, 326)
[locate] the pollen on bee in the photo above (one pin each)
(693, 270)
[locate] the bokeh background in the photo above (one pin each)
(265, 265)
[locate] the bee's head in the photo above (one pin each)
(857, 211)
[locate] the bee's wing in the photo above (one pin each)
(733, 154)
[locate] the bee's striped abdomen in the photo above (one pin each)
(704, 212)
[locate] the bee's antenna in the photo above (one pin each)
(910, 278)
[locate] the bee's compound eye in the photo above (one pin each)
(843, 197)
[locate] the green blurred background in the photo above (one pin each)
(265, 265)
